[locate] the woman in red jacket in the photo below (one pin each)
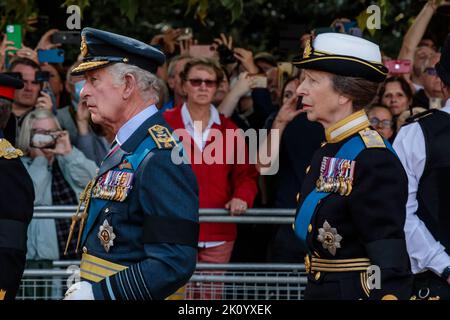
(224, 180)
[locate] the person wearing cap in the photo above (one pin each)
(352, 202)
(139, 229)
(16, 201)
(423, 146)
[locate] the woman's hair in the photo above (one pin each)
(377, 105)
(403, 83)
(202, 62)
(362, 92)
(23, 141)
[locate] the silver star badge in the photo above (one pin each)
(329, 238)
(106, 235)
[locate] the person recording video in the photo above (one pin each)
(28, 98)
(59, 172)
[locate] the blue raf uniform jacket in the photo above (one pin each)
(140, 236)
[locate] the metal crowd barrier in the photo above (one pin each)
(262, 216)
(236, 281)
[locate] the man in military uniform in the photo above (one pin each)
(423, 146)
(139, 228)
(352, 204)
(16, 200)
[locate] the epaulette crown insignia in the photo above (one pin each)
(372, 139)
(162, 137)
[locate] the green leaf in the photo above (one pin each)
(237, 10)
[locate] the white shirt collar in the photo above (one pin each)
(187, 119)
(131, 125)
(446, 108)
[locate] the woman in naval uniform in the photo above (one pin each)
(352, 203)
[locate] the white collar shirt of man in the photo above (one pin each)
(195, 131)
(135, 122)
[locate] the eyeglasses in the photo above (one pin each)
(430, 71)
(198, 83)
(375, 122)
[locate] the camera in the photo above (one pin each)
(226, 56)
(42, 76)
(43, 140)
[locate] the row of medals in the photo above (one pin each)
(340, 185)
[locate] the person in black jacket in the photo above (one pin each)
(352, 203)
(16, 201)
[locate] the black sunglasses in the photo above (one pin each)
(198, 82)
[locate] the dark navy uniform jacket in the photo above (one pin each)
(348, 233)
(16, 211)
(154, 230)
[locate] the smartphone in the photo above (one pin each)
(186, 34)
(14, 34)
(51, 56)
(66, 37)
(42, 76)
(398, 66)
(203, 51)
(43, 140)
(259, 81)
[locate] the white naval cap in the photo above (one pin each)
(345, 55)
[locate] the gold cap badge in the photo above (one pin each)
(84, 47)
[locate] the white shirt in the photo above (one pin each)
(200, 138)
(131, 125)
(195, 130)
(424, 251)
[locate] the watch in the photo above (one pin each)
(446, 273)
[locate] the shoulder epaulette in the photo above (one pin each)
(7, 151)
(419, 116)
(162, 137)
(372, 139)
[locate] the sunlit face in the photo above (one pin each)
(103, 97)
(320, 100)
(203, 93)
(289, 90)
(27, 96)
(395, 98)
(381, 120)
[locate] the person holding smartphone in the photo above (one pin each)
(59, 172)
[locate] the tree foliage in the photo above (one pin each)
(259, 24)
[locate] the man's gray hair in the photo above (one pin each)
(146, 81)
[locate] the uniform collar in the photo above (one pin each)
(347, 127)
(131, 125)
